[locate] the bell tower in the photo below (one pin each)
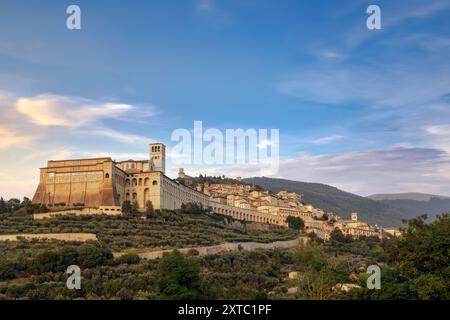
(158, 157)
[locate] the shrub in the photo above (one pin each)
(295, 223)
(193, 252)
(130, 258)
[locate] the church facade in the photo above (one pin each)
(102, 182)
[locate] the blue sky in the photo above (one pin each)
(363, 110)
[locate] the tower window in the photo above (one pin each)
(107, 176)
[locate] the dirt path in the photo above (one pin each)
(228, 246)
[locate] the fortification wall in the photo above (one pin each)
(247, 215)
(174, 194)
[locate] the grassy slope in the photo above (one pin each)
(165, 230)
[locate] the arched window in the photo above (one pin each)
(155, 183)
(107, 176)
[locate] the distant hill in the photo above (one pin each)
(415, 203)
(406, 196)
(332, 199)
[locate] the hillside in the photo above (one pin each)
(332, 199)
(416, 203)
(416, 196)
(166, 229)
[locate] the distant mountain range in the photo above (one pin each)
(415, 203)
(333, 199)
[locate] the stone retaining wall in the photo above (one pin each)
(79, 237)
(81, 212)
(228, 246)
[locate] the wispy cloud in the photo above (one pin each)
(27, 119)
(118, 136)
(327, 139)
(205, 5)
(394, 15)
(10, 138)
(117, 156)
(54, 110)
(365, 172)
(417, 9)
(36, 129)
(388, 86)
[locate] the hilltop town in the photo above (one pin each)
(102, 186)
(235, 193)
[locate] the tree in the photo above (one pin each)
(28, 205)
(134, 207)
(149, 210)
(127, 208)
(129, 258)
(295, 223)
(192, 207)
(423, 248)
(338, 236)
(3, 206)
(180, 277)
(419, 264)
(26, 202)
(13, 205)
(318, 272)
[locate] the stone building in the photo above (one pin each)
(103, 182)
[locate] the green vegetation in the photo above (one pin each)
(24, 206)
(130, 233)
(202, 179)
(180, 277)
(295, 223)
(415, 266)
(418, 264)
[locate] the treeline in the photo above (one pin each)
(202, 179)
(15, 205)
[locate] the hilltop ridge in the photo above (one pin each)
(333, 199)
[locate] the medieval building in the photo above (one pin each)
(103, 182)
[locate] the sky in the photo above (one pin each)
(367, 111)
